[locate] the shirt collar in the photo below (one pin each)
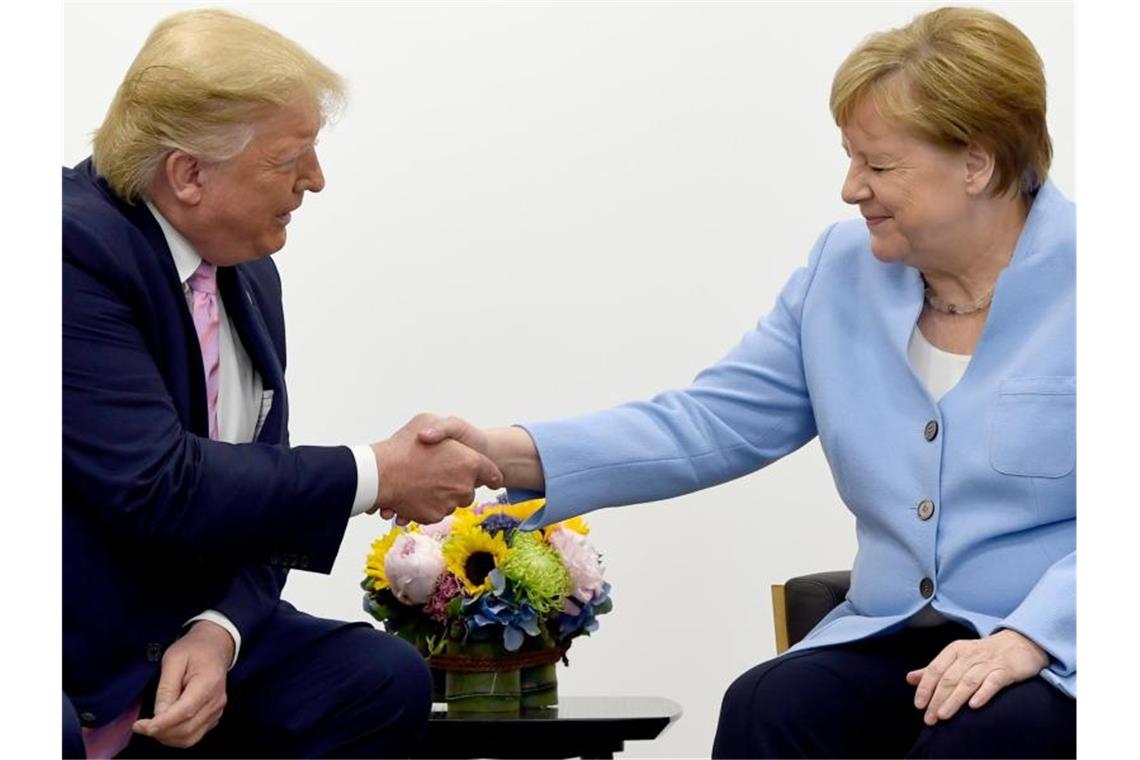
(186, 259)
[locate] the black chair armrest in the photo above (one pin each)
(803, 601)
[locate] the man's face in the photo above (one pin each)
(247, 201)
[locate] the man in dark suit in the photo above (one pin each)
(184, 503)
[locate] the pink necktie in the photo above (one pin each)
(109, 740)
(204, 288)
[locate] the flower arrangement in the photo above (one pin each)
(474, 587)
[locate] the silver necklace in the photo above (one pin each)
(938, 304)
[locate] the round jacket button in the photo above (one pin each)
(925, 509)
(87, 717)
(926, 588)
(153, 652)
(931, 430)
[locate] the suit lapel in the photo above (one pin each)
(197, 418)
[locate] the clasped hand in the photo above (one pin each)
(425, 482)
(191, 693)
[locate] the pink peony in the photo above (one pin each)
(582, 560)
(439, 530)
(413, 565)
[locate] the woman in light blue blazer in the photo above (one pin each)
(930, 346)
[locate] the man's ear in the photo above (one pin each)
(979, 169)
(184, 176)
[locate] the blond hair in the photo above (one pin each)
(955, 77)
(199, 83)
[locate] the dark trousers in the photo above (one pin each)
(853, 700)
(72, 733)
(310, 687)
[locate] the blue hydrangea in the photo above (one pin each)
(586, 621)
(499, 609)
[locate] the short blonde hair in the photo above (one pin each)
(199, 83)
(954, 77)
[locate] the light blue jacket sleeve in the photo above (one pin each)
(1048, 616)
(746, 411)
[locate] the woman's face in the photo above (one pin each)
(913, 194)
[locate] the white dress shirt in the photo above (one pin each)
(243, 403)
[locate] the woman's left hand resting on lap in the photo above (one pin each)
(974, 670)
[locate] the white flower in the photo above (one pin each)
(413, 565)
(582, 560)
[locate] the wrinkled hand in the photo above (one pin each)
(511, 449)
(191, 690)
(456, 429)
(974, 670)
(425, 483)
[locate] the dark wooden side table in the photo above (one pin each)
(588, 727)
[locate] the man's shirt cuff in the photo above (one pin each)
(219, 619)
(367, 479)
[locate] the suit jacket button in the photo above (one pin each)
(931, 430)
(925, 509)
(926, 588)
(87, 717)
(153, 652)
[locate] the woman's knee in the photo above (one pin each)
(1028, 719)
(765, 710)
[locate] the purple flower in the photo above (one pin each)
(447, 589)
(499, 521)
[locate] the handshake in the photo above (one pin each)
(432, 465)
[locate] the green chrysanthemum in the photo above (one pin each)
(537, 570)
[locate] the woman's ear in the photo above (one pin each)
(184, 176)
(979, 169)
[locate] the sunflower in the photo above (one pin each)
(471, 555)
(523, 509)
(576, 524)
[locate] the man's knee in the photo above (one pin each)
(399, 676)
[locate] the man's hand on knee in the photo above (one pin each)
(191, 692)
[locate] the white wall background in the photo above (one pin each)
(540, 209)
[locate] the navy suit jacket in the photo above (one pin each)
(159, 522)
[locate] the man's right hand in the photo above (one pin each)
(426, 483)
